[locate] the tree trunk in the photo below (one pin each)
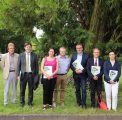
(97, 23)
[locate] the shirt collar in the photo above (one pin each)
(27, 53)
(80, 54)
(62, 57)
(96, 58)
(12, 55)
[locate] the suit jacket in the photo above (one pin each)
(83, 63)
(22, 63)
(108, 66)
(91, 63)
(6, 64)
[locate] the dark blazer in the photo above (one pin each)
(91, 63)
(85, 57)
(22, 63)
(108, 66)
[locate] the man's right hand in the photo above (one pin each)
(95, 78)
(78, 71)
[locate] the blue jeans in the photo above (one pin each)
(80, 84)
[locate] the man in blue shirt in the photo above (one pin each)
(64, 63)
(80, 75)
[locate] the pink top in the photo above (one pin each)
(52, 63)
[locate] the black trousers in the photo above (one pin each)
(80, 86)
(48, 88)
(96, 87)
(24, 79)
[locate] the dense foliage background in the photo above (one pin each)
(64, 22)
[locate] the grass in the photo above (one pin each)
(69, 108)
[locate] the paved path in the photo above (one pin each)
(60, 117)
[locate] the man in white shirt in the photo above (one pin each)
(95, 77)
(27, 70)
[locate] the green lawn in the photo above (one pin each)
(70, 103)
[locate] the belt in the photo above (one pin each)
(62, 74)
(28, 72)
(11, 70)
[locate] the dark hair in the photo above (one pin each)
(112, 51)
(81, 44)
(52, 49)
(96, 48)
(27, 43)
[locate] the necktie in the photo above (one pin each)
(27, 63)
(95, 63)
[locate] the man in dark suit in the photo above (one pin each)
(80, 75)
(28, 67)
(95, 78)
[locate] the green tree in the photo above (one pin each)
(101, 17)
(64, 22)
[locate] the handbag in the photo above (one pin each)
(36, 81)
(102, 105)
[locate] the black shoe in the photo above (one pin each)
(30, 104)
(79, 104)
(50, 107)
(22, 104)
(83, 106)
(92, 106)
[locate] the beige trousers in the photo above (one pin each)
(60, 88)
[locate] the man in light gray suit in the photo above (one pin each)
(9, 65)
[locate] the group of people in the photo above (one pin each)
(24, 67)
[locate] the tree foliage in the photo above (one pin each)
(64, 22)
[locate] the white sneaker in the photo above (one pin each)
(5, 104)
(114, 110)
(44, 107)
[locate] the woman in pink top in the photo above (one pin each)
(49, 68)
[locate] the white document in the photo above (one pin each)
(77, 65)
(113, 74)
(95, 70)
(48, 70)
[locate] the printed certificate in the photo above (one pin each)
(113, 74)
(48, 70)
(95, 70)
(77, 65)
